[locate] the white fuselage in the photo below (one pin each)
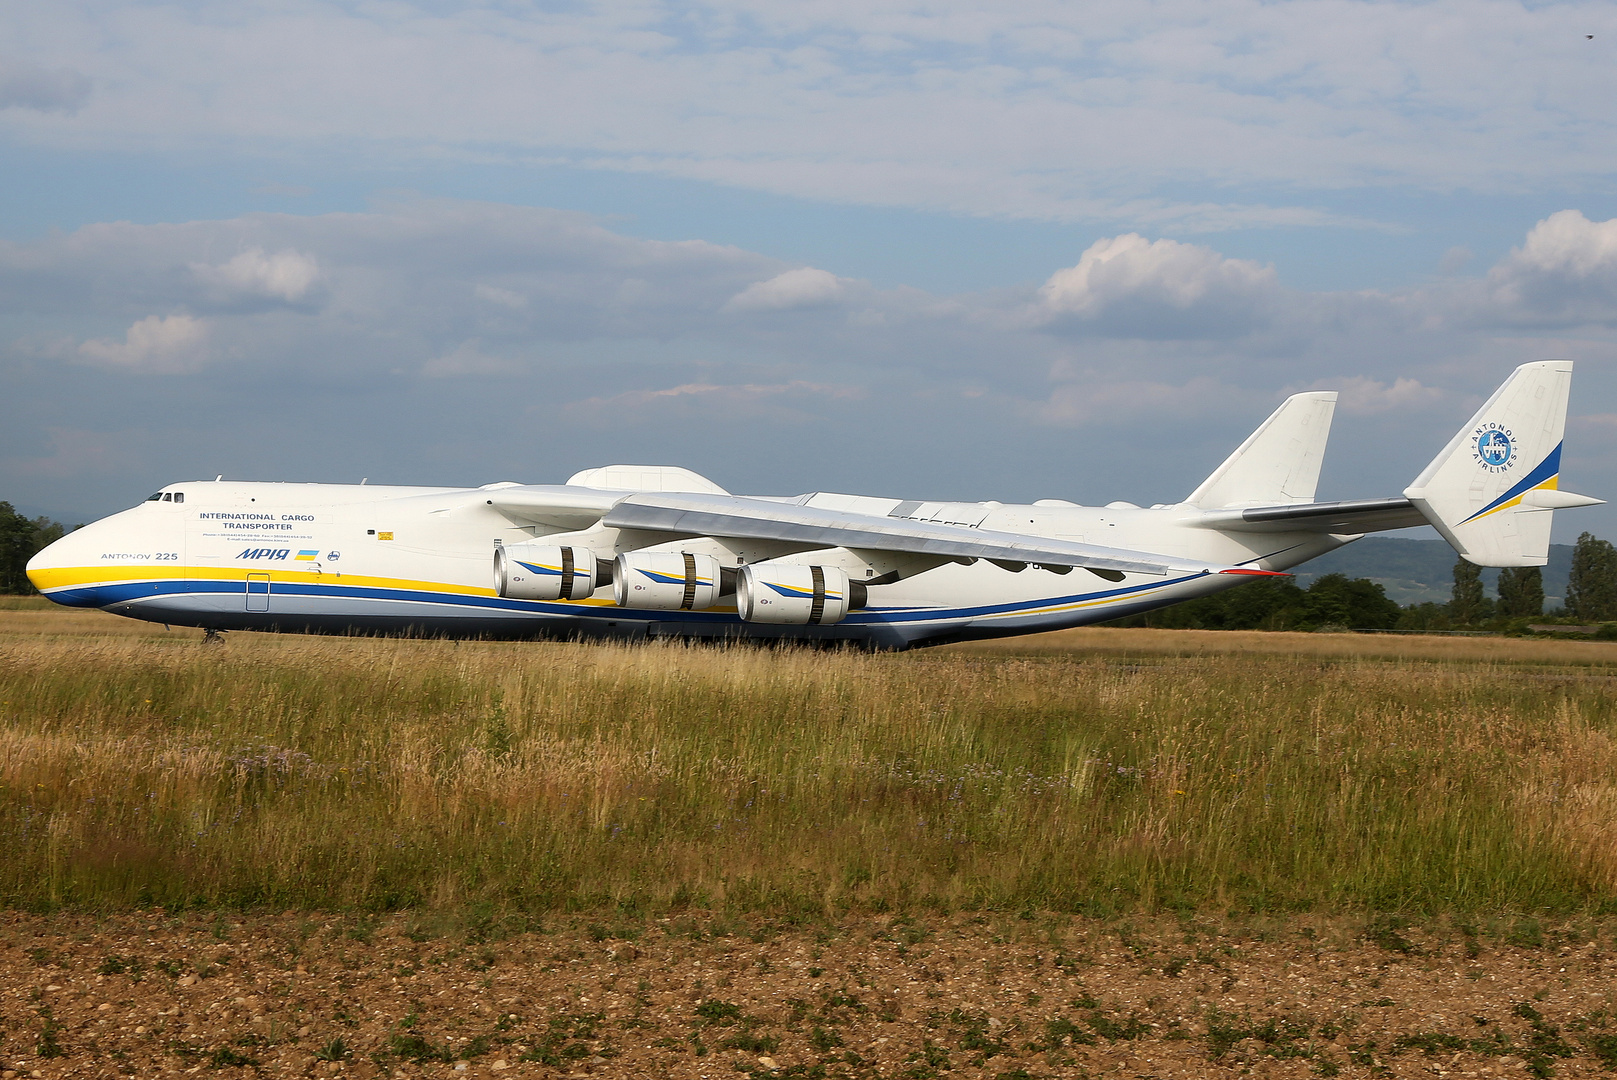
(357, 558)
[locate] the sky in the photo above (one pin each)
(925, 249)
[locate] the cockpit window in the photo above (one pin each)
(155, 498)
(179, 496)
(168, 496)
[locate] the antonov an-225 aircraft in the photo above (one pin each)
(638, 552)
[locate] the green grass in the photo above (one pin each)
(11, 602)
(375, 774)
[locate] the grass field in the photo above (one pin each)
(1093, 771)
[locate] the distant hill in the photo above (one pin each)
(1416, 571)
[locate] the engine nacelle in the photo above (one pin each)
(799, 595)
(529, 571)
(665, 580)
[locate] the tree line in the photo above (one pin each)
(1337, 600)
(20, 538)
(1591, 593)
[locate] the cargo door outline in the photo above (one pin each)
(258, 592)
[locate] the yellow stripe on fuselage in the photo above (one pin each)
(1056, 608)
(52, 579)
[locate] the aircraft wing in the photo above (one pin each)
(763, 519)
(692, 514)
(1354, 516)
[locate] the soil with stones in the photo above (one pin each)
(967, 995)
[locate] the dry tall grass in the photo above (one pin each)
(308, 772)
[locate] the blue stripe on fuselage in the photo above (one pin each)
(123, 592)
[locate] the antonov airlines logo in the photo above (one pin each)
(276, 554)
(1496, 447)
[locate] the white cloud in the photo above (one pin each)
(1134, 379)
(1569, 244)
(285, 275)
(1565, 273)
(155, 345)
(1159, 288)
(409, 271)
(1043, 109)
(1131, 267)
(800, 288)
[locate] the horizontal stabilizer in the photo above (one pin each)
(1556, 499)
(1341, 518)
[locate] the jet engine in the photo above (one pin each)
(665, 580)
(529, 571)
(799, 595)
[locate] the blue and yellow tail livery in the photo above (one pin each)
(1492, 490)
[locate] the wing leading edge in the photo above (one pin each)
(761, 519)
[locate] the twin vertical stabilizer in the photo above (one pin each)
(1279, 463)
(1492, 489)
(1491, 492)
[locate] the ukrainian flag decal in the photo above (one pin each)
(307, 555)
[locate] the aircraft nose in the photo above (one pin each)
(65, 570)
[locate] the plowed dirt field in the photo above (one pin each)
(997, 995)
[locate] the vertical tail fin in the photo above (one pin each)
(1493, 488)
(1279, 463)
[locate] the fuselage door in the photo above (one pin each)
(258, 592)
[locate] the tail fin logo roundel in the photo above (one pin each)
(1495, 448)
(1492, 490)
